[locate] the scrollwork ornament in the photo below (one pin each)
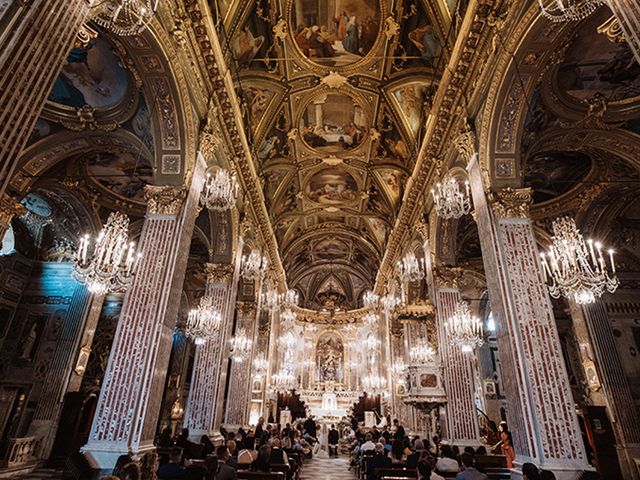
(466, 142)
(218, 272)
(448, 277)
(246, 309)
(512, 202)
(281, 29)
(164, 199)
(9, 209)
(391, 27)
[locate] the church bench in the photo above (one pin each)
(249, 475)
(395, 472)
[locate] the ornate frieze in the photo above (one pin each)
(218, 272)
(164, 200)
(512, 202)
(447, 277)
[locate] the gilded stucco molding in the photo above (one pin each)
(9, 209)
(246, 309)
(512, 202)
(164, 199)
(447, 277)
(466, 143)
(218, 272)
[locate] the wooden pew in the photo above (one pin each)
(249, 475)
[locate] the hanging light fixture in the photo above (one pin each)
(125, 17)
(260, 366)
(449, 200)
(370, 318)
(254, 266)
(288, 315)
(270, 300)
(370, 300)
(577, 268)
(284, 381)
(464, 329)
(374, 384)
(203, 321)
(409, 268)
(398, 367)
(289, 298)
(240, 346)
(390, 302)
(220, 191)
(422, 353)
(112, 261)
(568, 10)
(372, 343)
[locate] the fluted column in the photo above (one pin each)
(541, 410)
(461, 418)
(33, 46)
(200, 414)
(599, 352)
(131, 395)
(238, 396)
(627, 12)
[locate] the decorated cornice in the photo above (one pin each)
(230, 113)
(246, 309)
(448, 277)
(9, 209)
(164, 199)
(466, 64)
(218, 272)
(512, 202)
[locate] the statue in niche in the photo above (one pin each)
(28, 343)
(329, 357)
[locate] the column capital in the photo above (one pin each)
(218, 272)
(423, 229)
(246, 309)
(9, 208)
(466, 141)
(164, 199)
(447, 277)
(512, 202)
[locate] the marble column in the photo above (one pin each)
(461, 417)
(238, 396)
(36, 39)
(61, 365)
(627, 12)
(600, 348)
(127, 413)
(541, 411)
(9, 209)
(210, 358)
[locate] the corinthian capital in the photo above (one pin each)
(165, 199)
(512, 202)
(218, 272)
(9, 208)
(447, 277)
(466, 142)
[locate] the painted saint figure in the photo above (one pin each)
(350, 42)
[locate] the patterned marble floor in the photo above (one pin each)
(335, 468)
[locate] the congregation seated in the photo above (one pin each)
(225, 471)
(378, 460)
(447, 462)
(425, 472)
(468, 471)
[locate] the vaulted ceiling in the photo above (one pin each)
(336, 94)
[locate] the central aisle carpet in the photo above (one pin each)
(333, 468)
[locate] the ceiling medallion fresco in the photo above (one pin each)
(332, 186)
(335, 33)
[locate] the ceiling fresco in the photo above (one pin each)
(336, 94)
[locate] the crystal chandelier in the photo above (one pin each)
(370, 300)
(577, 268)
(284, 381)
(288, 315)
(449, 200)
(270, 300)
(253, 266)
(422, 353)
(240, 346)
(398, 367)
(409, 268)
(370, 318)
(260, 366)
(290, 298)
(287, 341)
(220, 191)
(372, 343)
(125, 17)
(390, 302)
(203, 321)
(374, 384)
(464, 329)
(568, 10)
(109, 266)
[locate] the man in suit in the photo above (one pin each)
(334, 438)
(468, 470)
(225, 471)
(173, 468)
(378, 460)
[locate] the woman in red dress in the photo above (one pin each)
(506, 445)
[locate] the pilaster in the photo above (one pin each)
(200, 414)
(127, 413)
(238, 396)
(461, 416)
(541, 411)
(41, 35)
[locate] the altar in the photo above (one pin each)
(327, 404)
